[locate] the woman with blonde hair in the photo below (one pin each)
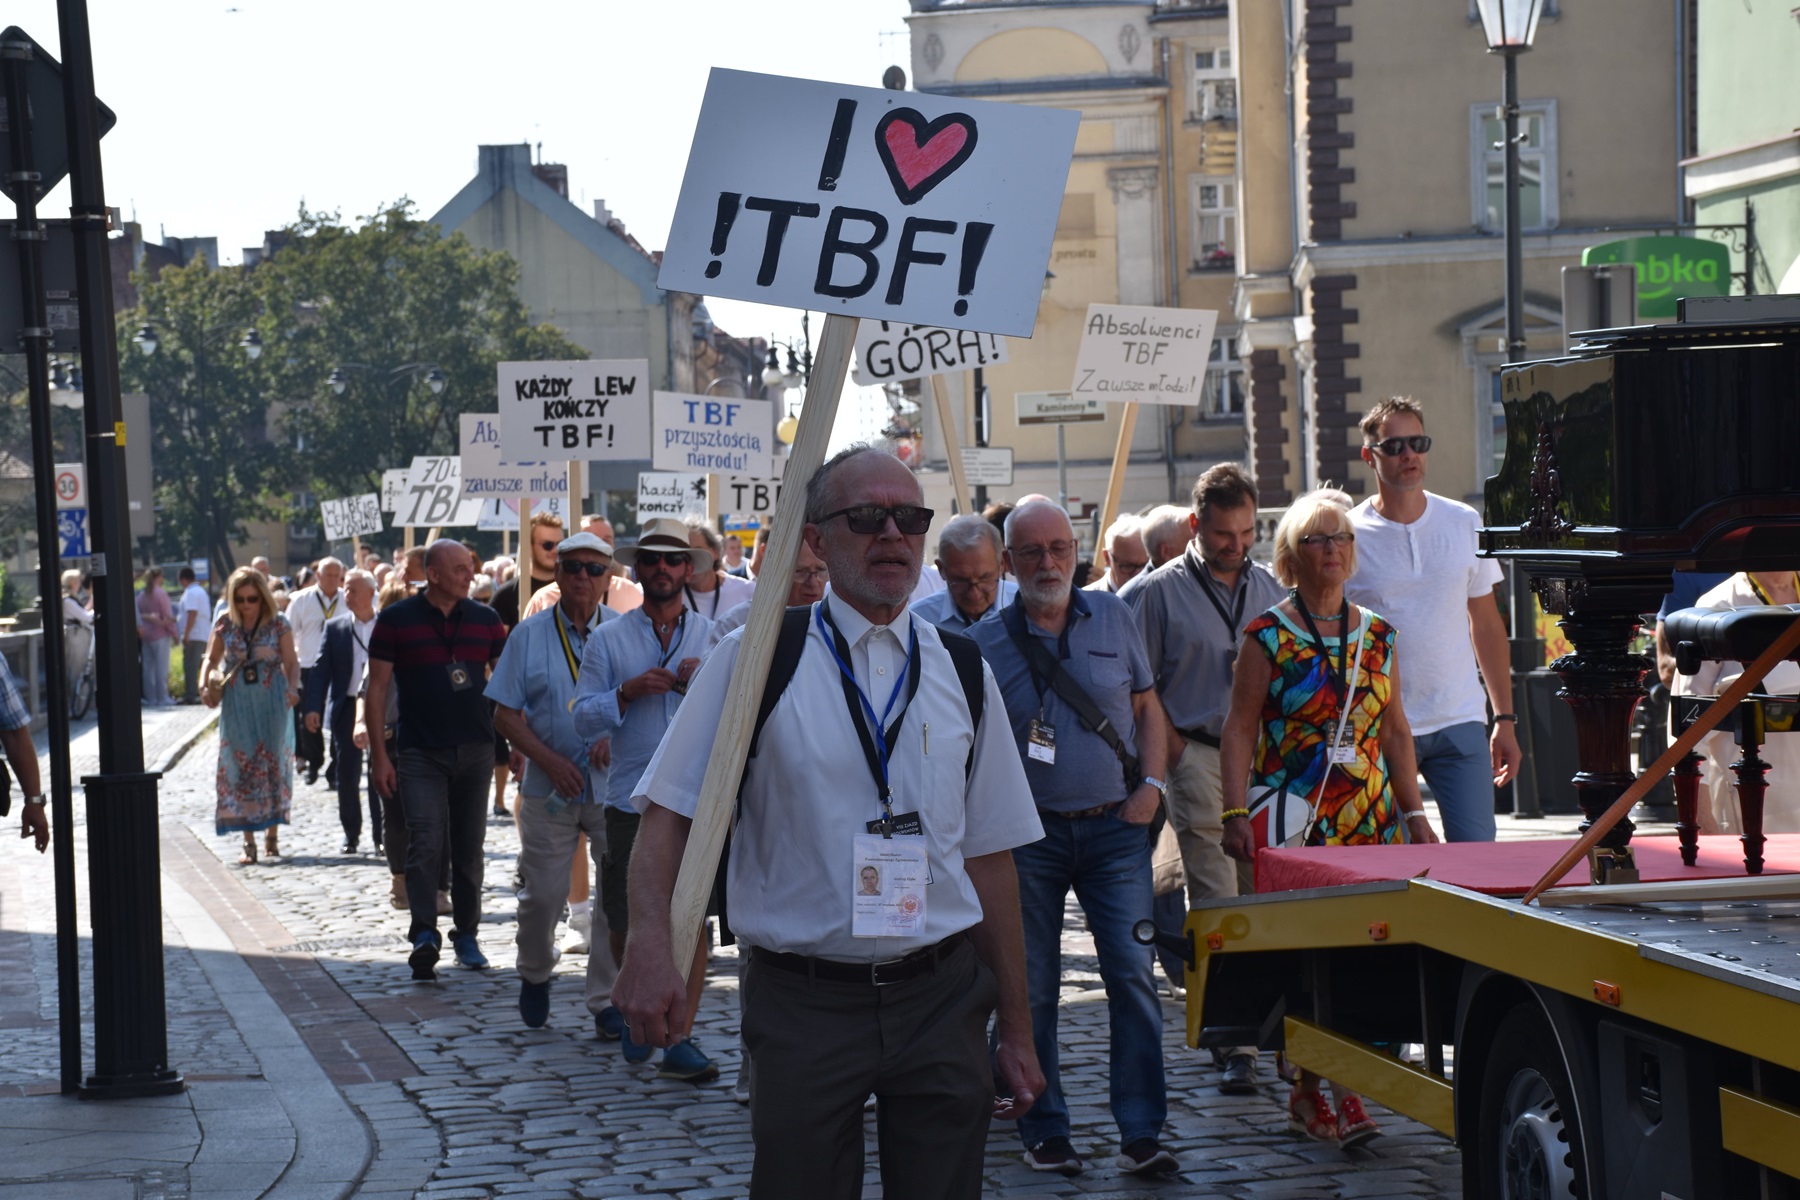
(1315, 713)
(253, 677)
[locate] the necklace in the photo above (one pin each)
(1315, 616)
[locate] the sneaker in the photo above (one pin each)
(1056, 1155)
(1147, 1157)
(609, 1024)
(534, 1002)
(684, 1061)
(1239, 1077)
(468, 952)
(634, 1051)
(580, 924)
(424, 956)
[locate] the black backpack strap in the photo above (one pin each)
(965, 655)
(789, 645)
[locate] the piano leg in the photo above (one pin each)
(1752, 784)
(1603, 681)
(1687, 805)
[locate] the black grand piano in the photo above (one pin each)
(1649, 450)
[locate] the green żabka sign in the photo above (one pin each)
(1668, 268)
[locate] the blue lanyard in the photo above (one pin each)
(878, 751)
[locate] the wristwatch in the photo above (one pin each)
(1161, 787)
(32, 801)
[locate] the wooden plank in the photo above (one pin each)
(1115, 482)
(959, 483)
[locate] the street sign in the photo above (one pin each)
(140, 475)
(62, 304)
(1057, 408)
(1133, 353)
(670, 494)
(72, 530)
(434, 495)
(889, 351)
(49, 135)
(720, 435)
(351, 517)
(989, 466)
(594, 411)
(202, 569)
(71, 485)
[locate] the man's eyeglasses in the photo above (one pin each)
(1030, 554)
(550, 545)
(1418, 443)
(652, 558)
(1343, 538)
(594, 570)
(810, 574)
(971, 581)
(909, 519)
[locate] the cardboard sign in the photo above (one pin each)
(892, 205)
(749, 497)
(71, 485)
(663, 494)
(596, 410)
(484, 474)
(393, 486)
(352, 516)
(989, 466)
(1057, 408)
(888, 351)
(434, 496)
(1146, 355)
(720, 435)
(502, 516)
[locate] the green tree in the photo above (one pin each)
(385, 304)
(216, 466)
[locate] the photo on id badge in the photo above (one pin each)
(888, 881)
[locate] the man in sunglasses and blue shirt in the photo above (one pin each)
(1417, 566)
(858, 983)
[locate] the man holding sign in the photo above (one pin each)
(881, 752)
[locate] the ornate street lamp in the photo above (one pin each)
(1510, 25)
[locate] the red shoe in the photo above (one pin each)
(1310, 1113)
(1354, 1126)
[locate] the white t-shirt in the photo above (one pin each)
(1421, 577)
(194, 600)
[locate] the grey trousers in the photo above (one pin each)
(820, 1048)
(546, 852)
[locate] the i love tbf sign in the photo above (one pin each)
(900, 206)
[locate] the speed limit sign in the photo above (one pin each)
(71, 485)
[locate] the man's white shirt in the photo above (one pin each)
(307, 611)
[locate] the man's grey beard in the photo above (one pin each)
(849, 580)
(1048, 594)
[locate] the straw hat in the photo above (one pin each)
(666, 534)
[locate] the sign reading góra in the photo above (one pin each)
(1668, 268)
(721, 435)
(485, 475)
(887, 351)
(1147, 355)
(893, 205)
(594, 410)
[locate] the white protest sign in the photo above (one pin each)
(502, 516)
(717, 434)
(988, 466)
(888, 351)
(434, 496)
(351, 517)
(921, 208)
(666, 494)
(1147, 355)
(484, 474)
(393, 486)
(749, 497)
(1057, 408)
(597, 410)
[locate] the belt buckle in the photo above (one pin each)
(875, 972)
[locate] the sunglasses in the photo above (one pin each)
(551, 545)
(651, 558)
(1319, 539)
(592, 570)
(1418, 443)
(909, 519)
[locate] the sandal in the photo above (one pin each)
(271, 843)
(1354, 1125)
(1310, 1113)
(248, 857)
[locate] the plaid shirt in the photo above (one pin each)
(13, 714)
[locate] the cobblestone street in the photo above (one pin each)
(454, 1097)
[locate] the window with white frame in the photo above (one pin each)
(1222, 396)
(1537, 166)
(1215, 87)
(1213, 234)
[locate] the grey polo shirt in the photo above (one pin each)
(1190, 647)
(1102, 652)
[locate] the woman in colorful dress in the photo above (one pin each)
(1287, 730)
(254, 674)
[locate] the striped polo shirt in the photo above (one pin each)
(425, 647)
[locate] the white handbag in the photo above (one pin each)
(1279, 817)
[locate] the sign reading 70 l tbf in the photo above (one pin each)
(596, 410)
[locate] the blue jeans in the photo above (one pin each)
(1459, 767)
(1107, 862)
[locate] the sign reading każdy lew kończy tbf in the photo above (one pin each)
(901, 206)
(1147, 355)
(593, 411)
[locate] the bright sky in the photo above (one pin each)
(232, 113)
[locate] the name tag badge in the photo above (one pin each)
(1344, 753)
(1040, 741)
(461, 678)
(905, 825)
(888, 878)
(250, 674)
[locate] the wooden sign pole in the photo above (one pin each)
(406, 542)
(959, 483)
(577, 495)
(525, 560)
(712, 504)
(731, 746)
(1115, 482)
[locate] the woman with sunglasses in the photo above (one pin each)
(253, 678)
(1315, 711)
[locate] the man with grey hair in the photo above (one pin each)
(711, 592)
(1165, 530)
(848, 995)
(1126, 556)
(329, 702)
(308, 611)
(974, 585)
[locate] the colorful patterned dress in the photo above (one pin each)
(256, 731)
(1300, 716)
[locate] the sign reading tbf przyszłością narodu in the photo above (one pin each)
(1147, 355)
(593, 411)
(899, 206)
(721, 435)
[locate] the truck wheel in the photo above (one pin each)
(1529, 1140)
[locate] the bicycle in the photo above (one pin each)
(81, 692)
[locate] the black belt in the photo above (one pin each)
(877, 974)
(1201, 736)
(1099, 810)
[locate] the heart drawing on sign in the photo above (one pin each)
(921, 154)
